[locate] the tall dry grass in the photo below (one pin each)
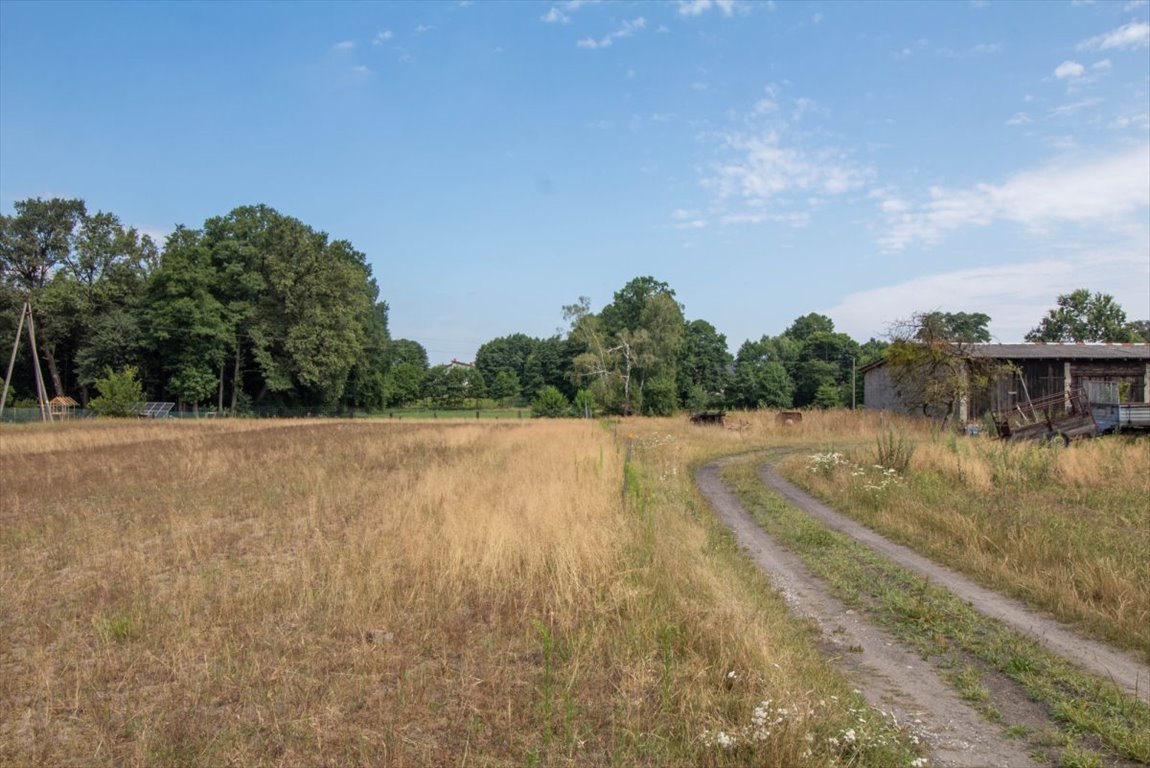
(357, 593)
(1066, 529)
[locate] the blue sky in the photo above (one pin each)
(496, 161)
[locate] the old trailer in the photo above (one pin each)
(1079, 412)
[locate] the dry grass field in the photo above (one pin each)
(1065, 528)
(366, 593)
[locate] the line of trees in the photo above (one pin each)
(640, 355)
(257, 309)
(253, 307)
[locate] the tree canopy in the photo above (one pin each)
(1084, 316)
(254, 308)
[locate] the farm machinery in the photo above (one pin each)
(1071, 414)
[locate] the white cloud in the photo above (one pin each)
(1140, 121)
(421, 28)
(382, 37)
(1019, 118)
(1106, 190)
(769, 170)
(688, 219)
(1102, 66)
(1016, 296)
(765, 168)
(344, 45)
(1069, 69)
(626, 29)
(1074, 106)
(560, 13)
(765, 106)
(555, 16)
(699, 7)
(1136, 34)
(791, 218)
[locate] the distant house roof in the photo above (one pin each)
(1044, 351)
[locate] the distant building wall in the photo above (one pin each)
(879, 393)
(1041, 371)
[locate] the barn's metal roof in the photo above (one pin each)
(1043, 351)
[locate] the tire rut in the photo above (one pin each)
(1120, 668)
(891, 677)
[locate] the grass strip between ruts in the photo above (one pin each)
(1091, 713)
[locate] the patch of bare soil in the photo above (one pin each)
(891, 677)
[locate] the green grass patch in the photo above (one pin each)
(949, 631)
(1062, 529)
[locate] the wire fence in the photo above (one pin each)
(26, 415)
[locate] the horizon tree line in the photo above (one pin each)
(255, 309)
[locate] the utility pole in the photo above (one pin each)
(41, 391)
(854, 389)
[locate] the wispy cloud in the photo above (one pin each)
(766, 172)
(560, 13)
(626, 29)
(1074, 107)
(699, 7)
(688, 219)
(1140, 121)
(772, 167)
(1109, 189)
(555, 16)
(1069, 69)
(1136, 34)
(382, 36)
(344, 45)
(1016, 296)
(911, 49)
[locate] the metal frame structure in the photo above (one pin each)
(41, 390)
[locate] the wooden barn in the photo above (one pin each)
(1106, 372)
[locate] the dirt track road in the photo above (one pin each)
(1122, 669)
(891, 677)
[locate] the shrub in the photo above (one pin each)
(659, 398)
(120, 393)
(584, 403)
(827, 396)
(894, 452)
(550, 403)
